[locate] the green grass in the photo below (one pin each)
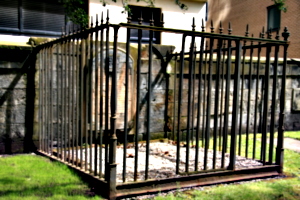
(34, 177)
(274, 189)
(292, 134)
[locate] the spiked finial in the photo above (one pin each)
(162, 20)
(129, 18)
(152, 20)
(229, 28)
(140, 20)
(101, 18)
(107, 17)
(247, 30)
(285, 34)
(92, 22)
(203, 27)
(221, 28)
(212, 26)
(252, 40)
(277, 35)
(269, 33)
(193, 25)
(97, 22)
(262, 35)
(73, 28)
(62, 31)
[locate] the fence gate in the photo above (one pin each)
(216, 107)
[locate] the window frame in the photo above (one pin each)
(135, 13)
(34, 30)
(273, 12)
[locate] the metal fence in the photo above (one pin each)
(222, 100)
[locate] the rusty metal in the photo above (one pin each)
(126, 101)
(79, 90)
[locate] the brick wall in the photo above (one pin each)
(254, 13)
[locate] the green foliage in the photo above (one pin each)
(76, 12)
(280, 4)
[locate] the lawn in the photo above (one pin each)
(274, 189)
(33, 177)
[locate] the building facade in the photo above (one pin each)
(257, 14)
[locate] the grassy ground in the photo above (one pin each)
(34, 177)
(274, 189)
(292, 134)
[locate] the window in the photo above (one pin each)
(273, 18)
(146, 12)
(32, 17)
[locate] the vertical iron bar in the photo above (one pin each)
(242, 101)
(179, 103)
(113, 137)
(44, 100)
(222, 99)
(249, 101)
(190, 95)
(101, 98)
(87, 99)
(274, 100)
(47, 99)
(199, 111)
(266, 104)
(235, 106)
(61, 101)
(97, 74)
(205, 74)
(216, 109)
(256, 101)
(126, 103)
(92, 72)
(78, 102)
(138, 78)
(46, 96)
(52, 92)
(174, 98)
(226, 104)
(149, 104)
(41, 101)
(279, 148)
(65, 102)
(63, 155)
(58, 84)
(106, 100)
(82, 100)
(70, 132)
(74, 107)
(208, 100)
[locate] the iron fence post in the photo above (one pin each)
(113, 137)
(235, 107)
(280, 149)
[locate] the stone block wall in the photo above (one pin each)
(14, 74)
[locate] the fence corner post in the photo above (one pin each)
(112, 166)
(280, 139)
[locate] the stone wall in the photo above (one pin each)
(17, 95)
(292, 105)
(14, 99)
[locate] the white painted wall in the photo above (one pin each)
(174, 17)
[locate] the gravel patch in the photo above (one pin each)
(162, 160)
